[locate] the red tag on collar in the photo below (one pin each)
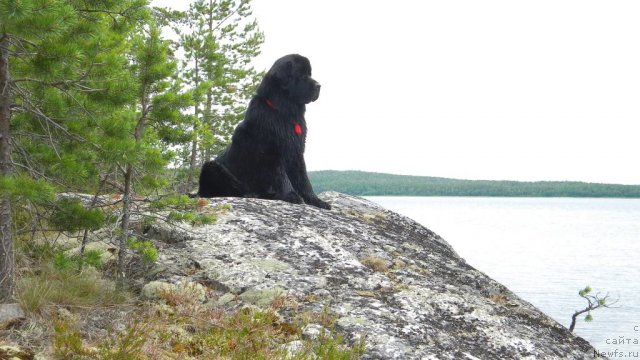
(269, 104)
(297, 128)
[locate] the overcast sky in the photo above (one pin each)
(517, 90)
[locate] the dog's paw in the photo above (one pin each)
(319, 203)
(293, 197)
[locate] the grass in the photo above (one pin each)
(50, 286)
(50, 277)
(499, 299)
(180, 327)
(187, 330)
(375, 263)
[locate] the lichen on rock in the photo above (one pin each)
(415, 298)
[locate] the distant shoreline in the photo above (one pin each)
(378, 184)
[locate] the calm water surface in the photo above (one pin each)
(545, 250)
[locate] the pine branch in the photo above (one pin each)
(20, 44)
(62, 84)
(34, 110)
(114, 14)
(84, 109)
(53, 144)
(116, 186)
(38, 174)
(228, 17)
(25, 154)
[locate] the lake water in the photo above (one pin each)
(546, 250)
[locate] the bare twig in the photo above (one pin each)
(62, 84)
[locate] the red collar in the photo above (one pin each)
(269, 104)
(297, 129)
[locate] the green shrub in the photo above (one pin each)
(145, 249)
(92, 258)
(71, 215)
(64, 262)
(67, 342)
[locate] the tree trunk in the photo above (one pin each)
(192, 164)
(127, 197)
(573, 322)
(126, 216)
(7, 265)
(214, 127)
(575, 315)
(94, 201)
(194, 142)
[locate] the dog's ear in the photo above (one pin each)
(284, 73)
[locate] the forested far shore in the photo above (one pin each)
(371, 184)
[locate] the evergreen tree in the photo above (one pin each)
(594, 302)
(220, 39)
(6, 240)
(90, 100)
(159, 101)
(61, 73)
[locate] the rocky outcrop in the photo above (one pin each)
(385, 279)
(10, 314)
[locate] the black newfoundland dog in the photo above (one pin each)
(265, 159)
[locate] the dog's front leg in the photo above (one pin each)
(285, 190)
(297, 173)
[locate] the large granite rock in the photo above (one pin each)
(385, 278)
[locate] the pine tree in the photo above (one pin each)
(219, 39)
(90, 100)
(6, 241)
(159, 101)
(61, 73)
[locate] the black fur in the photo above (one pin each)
(265, 159)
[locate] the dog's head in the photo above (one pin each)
(291, 75)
